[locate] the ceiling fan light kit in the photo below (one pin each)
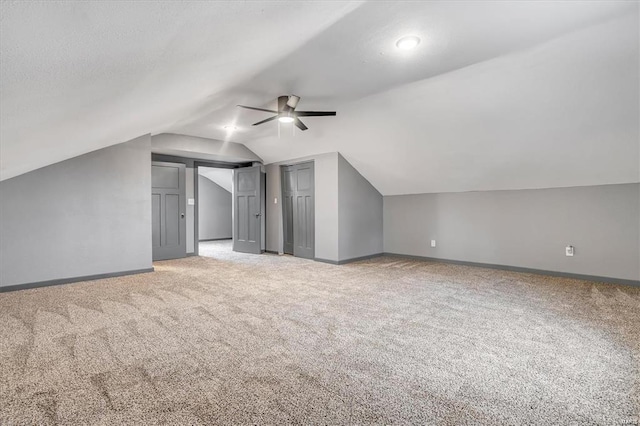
(287, 113)
(286, 119)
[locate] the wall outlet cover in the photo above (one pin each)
(433, 243)
(570, 250)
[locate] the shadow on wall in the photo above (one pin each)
(214, 204)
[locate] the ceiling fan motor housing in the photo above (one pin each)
(286, 112)
(293, 101)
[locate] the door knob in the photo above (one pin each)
(181, 215)
(258, 214)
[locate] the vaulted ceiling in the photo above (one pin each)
(498, 95)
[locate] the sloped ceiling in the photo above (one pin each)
(221, 177)
(77, 76)
(499, 95)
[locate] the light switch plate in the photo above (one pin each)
(191, 202)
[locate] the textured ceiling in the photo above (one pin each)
(79, 76)
(499, 95)
(564, 113)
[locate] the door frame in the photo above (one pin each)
(193, 163)
(196, 218)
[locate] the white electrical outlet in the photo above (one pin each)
(570, 250)
(433, 243)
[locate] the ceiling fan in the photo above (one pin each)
(287, 113)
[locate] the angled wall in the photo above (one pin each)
(525, 228)
(359, 214)
(214, 211)
(86, 216)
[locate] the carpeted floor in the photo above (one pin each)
(245, 339)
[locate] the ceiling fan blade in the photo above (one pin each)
(314, 113)
(258, 109)
(300, 125)
(264, 121)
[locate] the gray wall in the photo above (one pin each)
(214, 210)
(85, 216)
(326, 205)
(526, 228)
(360, 214)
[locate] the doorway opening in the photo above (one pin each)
(232, 212)
(298, 209)
(215, 211)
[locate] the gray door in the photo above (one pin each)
(298, 210)
(168, 210)
(248, 196)
(288, 194)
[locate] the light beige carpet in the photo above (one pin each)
(245, 339)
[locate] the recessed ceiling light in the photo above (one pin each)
(286, 119)
(230, 128)
(408, 42)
